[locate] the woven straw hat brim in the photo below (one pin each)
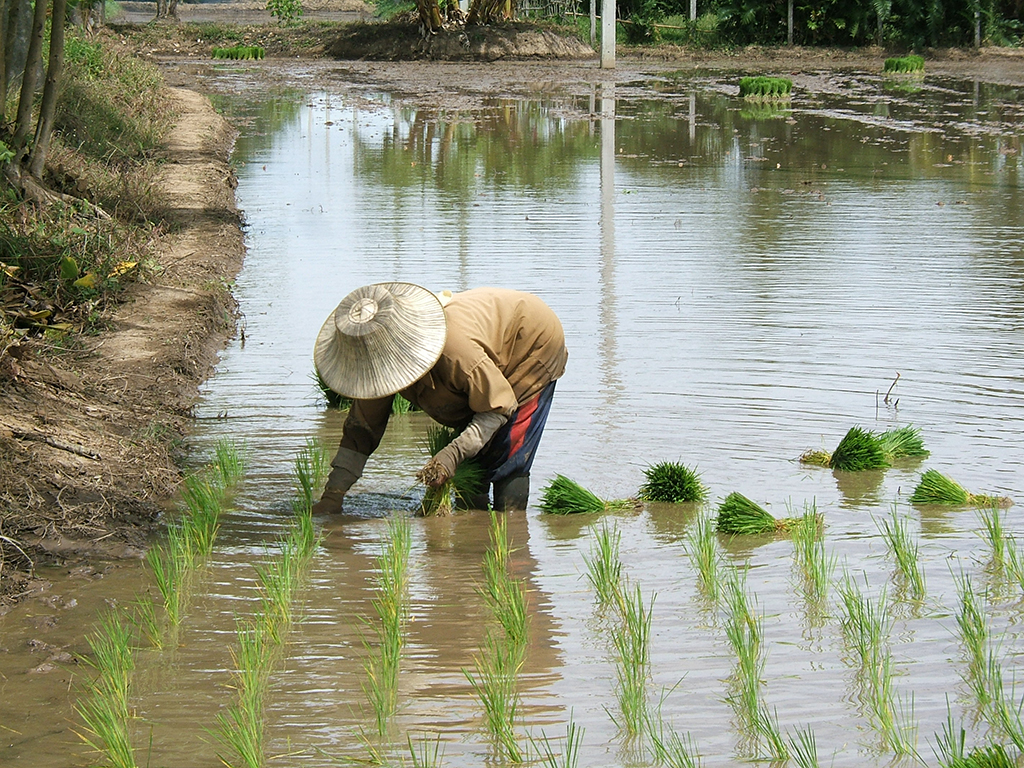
(380, 339)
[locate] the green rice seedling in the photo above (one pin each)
(902, 442)
(496, 684)
(278, 581)
(673, 750)
(903, 65)
(504, 652)
(744, 630)
(105, 710)
(229, 464)
(765, 88)
(468, 480)
(144, 618)
(569, 756)
(604, 568)
(950, 745)
(631, 637)
(311, 468)
(672, 482)
(809, 552)
(973, 629)
(739, 515)
(857, 451)
(239, 52)
(768, 729)
(391, 607)
(904, 551)
(172, 566)
(334, 400)
(563, 496)
(865, 623)
(702, 547)
(242, 726)
(936, 488)
(429, 753)
(804, 748)
(1015, 563)
(994, 535)
(201, 521)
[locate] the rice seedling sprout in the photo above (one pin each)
(673, 750)
(310, 470)
(672, 482)
(994, 535)
(563, 496)
(803, 748)
(105, 710)
(631, 638)
(767, 726)
(702, 548)
(744, 631)
(904, 551)
(604, 568)
(391, 607)
(739, 515)
(429, 753)
(239, 52)
(809, 551)
(569, 756)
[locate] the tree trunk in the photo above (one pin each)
(51, 89)
(29, 82)
(172, 9)
(3, 64)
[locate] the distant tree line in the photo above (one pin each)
(910, 24)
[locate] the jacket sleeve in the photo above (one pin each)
(363, 430)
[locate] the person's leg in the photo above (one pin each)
(473, 501)
(512, 493)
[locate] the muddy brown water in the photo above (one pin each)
(737, 283)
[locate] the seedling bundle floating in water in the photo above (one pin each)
(563, 496)
(935, 488)
(739, 515)
(765, 88)
(468, 480)
(239, 52)
(673, 483)
(862, 449)
(902, 65)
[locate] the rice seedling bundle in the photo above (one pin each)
(468, 480)
(739, 515)
(858, 450)
(239, 52)
(765, 87)
(399, 404)
(672, 482)
(902, 442)
(563, 496)
(936, 488)
(903, 64)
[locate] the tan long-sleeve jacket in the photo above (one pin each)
(503, 347)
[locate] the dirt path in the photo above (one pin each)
(88, 438)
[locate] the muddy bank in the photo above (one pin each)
(90, 435)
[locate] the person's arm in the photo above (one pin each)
(363, 430)
(469, 443)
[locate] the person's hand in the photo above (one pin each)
(435, 472)
(332, 502)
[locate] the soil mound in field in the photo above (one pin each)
(402, 41)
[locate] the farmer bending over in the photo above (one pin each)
(483, 362)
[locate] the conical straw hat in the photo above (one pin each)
(380, 339)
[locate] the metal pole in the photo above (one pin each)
(693, 10)
(593, 23)
(607, 34)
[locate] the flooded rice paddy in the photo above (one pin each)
(738, 284)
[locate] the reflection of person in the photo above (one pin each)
(483, 362)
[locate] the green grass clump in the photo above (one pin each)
(468, 480)
(935, 488)
(672, 482)
(239, 52)
(739, 515)
(563, 496)
(858, 450)
(765, 87)
(903, 64)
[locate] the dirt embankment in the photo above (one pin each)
(87, 435)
